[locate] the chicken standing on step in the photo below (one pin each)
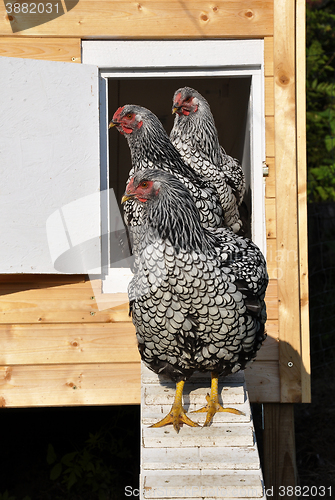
(197, 296)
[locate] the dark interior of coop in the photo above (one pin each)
(228, 97)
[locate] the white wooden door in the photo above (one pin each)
(50, 167)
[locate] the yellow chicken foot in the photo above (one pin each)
(213, 406)
(177, 415)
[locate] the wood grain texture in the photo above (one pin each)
(272, 259)
(302, 197)
(270, 135)
(269, 96)
(270, 348)
(70, 385)
(68, 344)
(151, 19)
(270, 180)
(271, 299)
(50, 299)
(270, 216)
(279, 449)
(51, 49)
(104, 384)
(268, 56)
(263, 381)
(286, 199)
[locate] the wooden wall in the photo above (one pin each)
(56, 347)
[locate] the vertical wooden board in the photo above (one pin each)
(272, 260)
(51, 49)
(270, 348)
(279, 449)
(302, 196)
(270, 217)
(269, 96)
(271, 299)
(270, 180)
(286, 199)
(270, 135)
(268, 56)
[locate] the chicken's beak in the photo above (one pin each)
(125, 197)
(111, 124)
(174, 109)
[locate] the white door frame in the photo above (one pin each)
(172, 59)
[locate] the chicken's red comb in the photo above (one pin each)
(130, 185)
(178, 99)
(117, 113)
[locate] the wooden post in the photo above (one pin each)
(279, 468)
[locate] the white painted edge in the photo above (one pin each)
(172, 54)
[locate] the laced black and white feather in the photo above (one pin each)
(195, 136)
(197, 296)
(150, 147)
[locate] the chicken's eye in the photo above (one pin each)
(144, 184)
(129, 115)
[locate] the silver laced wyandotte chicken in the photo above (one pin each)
(195, 136)
(197, 295)
(151, 147)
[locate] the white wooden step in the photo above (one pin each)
(201, 457)
(194, 485)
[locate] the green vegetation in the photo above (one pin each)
(321, 100)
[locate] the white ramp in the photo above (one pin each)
(199, 463)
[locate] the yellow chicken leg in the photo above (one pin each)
(213, 406)
(177, 415)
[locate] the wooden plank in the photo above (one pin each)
(279, 449)
(195, 484)
(48, 299)
(158, 395)
(156, 412)
(68, 343)
(268, 56)
(70, 385)
(270, 216)
(270, 180)
(302, 198)
(286, 199)
(270, 348)
(100, 384)
(41, 301)
(269, 96)
(87, 343)
(270, 135)
(225, 435)
(51, 49)
(227, 457)
(150, 19)
(263, 381)
(58, 311)
(272, 262)
(271, 299)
